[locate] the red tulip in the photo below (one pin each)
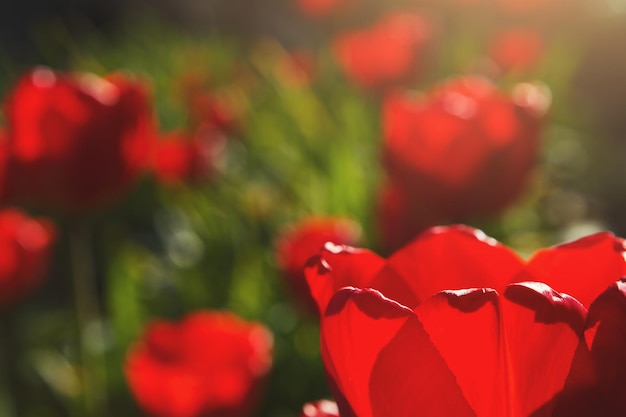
(321, 408)
(182, 160)
(455, 324)
(303, 240)
(25, 249)
(76, 140)
(464, 150)
(517, 49)
(390, 52)
(208, 365)
(399, 219)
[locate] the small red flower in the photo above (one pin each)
(303, 240)
(390, 52)
(25, 249)
(182, 160)
(517, 49)
(466, 149)
(455, 324)
(208, 365)
(76, 141)
(321, 408)
(221, 110)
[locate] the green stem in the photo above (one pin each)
(88, 318)
(9, 401)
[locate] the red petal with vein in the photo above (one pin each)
(471, 319)
(542, 331)
(583, 268)
(340, 266)
(357, 325)
(447, 258)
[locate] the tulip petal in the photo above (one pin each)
(357, 325)
(338, 266)
(542, 331)
(583, 268)
(446, 258)
(381, 361)
(471, 319)
(606, 336)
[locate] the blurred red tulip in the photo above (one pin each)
(400, 218)
(76, 141)
(179, 159)
(517, 49)
(390, 52)
(466, 149)
(321, 408)
(25, 249)
(211, 364)
(455, 324)
(301, 241)
(324, 8)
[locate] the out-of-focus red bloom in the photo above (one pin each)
(211, 364)
(214, 110)
(208, 108)
(321, 408)
(390, 52)
(455, 324)
(76, 141)
(466, 149)
(179, 159)
(517, 49)
(401, 218)
(25, 249)
(303, 240)
(323, 8)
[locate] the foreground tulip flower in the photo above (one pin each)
(182, 160)
(455, 324)
(389, 53)
(464, 150)
(25, 249)
(210, 364)
(301, 241)
(76, 141)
